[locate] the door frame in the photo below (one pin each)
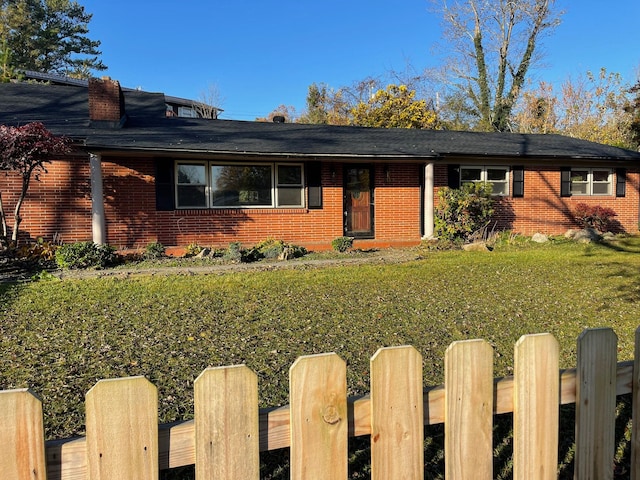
(345, 204)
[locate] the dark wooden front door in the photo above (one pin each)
(358, 201)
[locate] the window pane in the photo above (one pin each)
(289, 196)
(496, 174)
(192, 174)
(579, 188)
(191, 196)
(241, 185)
(289, 175)
(470, 174)
(579, 175)
(499, 188)
(601, 189)
(601, 175)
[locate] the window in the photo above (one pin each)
(498, 177)
(215, 185)
(591, 181)
(187, 112)
(289, 186)
(192, 185)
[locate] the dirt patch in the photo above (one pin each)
(21, 271)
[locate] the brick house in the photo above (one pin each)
(137, 176)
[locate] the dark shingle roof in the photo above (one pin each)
(64, 110)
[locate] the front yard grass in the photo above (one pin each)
(60, 337)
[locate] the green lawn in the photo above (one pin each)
(60, 337)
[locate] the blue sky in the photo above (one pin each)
(261, 54)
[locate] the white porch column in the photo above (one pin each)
(98, 227)
(428, 200)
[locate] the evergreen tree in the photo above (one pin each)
(47, 36)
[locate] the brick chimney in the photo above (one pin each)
(106, 102)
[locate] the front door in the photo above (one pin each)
(358, 201)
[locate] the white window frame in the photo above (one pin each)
(484, 176)
(275, 185)
(590, 182)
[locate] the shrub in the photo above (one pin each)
(233, 252)
(85, 255)
(154, 250)
(192, 250)
(463, 211)
(40, 250)
(594, 216)
(342, 244)
(272, 248)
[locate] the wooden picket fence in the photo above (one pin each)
(124, 441)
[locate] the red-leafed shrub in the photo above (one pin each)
(594, 216)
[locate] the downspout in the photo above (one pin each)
(98, 224)
(428, 201)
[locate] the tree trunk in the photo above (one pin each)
(17, 219)
(3, 223)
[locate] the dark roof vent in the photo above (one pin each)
(279, 119)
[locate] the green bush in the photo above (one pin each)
(233, 252)
(463, 211)
(342, 244)
(192, 250)
(154, 250)
(85, 255)
(272, 248)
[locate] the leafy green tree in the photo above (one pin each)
(26, 150)
(633, 110)
(326, 106)
(491, 46)
(317, 99)
(47, 36)
(394, 107)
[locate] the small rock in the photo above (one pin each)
(203, 253)
(286, 254)
(476, 247)
(540, 238)
(586, 235)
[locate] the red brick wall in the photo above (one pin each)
(543, 210)
(134, 222)
(55, 206)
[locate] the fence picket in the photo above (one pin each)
(635, 404)
(468, 384)
(122, 429)
(123, 439)
(536, 398)
(595, 404)
(397, 415)
(319, 426)
(226, 423)
(21, 436)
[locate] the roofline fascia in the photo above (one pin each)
(422, 158)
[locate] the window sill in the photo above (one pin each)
(239, 211)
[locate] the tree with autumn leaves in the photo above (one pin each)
(25, 151)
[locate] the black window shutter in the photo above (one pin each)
(314, 184)
(621, 182)
(453, 176)
(164, 184)
(518, 181)
(565, 182)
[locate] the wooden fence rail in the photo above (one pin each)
(124, 441)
